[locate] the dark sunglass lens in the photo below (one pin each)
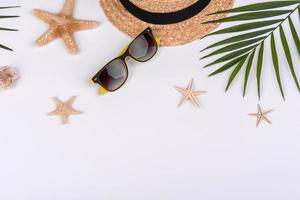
(113, 75)
(143, 47)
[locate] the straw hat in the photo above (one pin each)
(176, 22)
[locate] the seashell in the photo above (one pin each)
(8, 77)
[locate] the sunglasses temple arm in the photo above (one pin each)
(102, 90)
(157, 39)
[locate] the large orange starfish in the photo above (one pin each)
(62, 25)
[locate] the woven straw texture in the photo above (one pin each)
(171, 34)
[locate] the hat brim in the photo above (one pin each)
(171, 34)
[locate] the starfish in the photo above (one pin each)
(64, 109)
(189, 94)
(62, 25)
(261, 116)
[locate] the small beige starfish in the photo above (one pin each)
(64, 109)
(189, 94)
(261, 116)
(62, 25)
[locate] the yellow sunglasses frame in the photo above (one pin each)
(102, 90)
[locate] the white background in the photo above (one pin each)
(135, 144)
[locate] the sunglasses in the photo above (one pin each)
(115, 73)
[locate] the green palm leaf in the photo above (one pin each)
(260, 6)
(246, 27)
(10, 7)
(231, 55)
(251, 16)
(247, 72)
(259, 66)
(276, 63)
(8, 16)
(295, 35)
(288, 56)
(5, 47)
(235, 46)
(235, 72)
(250, 35)
(240, 38)
(228, 65)
(7, 29)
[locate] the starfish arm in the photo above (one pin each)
(181, 90)
(68, 8)
(267, 112)
(52, 113)
(259, 109)
(75, 112)
(259, 118)
(70, 102)
(65, 119)
(44, 15)
(197, 93)
(190, 87)
(69, 42)
(47, 37)
(57, 101)
(80, 25)
(253, 114)
(194, 100)
(266, 119)
(183, 100)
